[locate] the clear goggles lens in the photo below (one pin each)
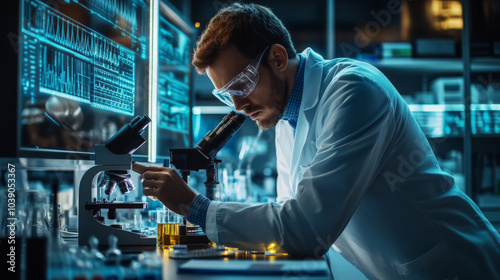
(241, 85)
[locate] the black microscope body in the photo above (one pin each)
(203, 156)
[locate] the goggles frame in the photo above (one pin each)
(243, 84)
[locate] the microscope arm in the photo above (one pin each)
(87, 225)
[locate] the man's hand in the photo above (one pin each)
(166, 185)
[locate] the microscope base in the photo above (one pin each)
(192, 237)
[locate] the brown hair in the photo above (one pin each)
(250, 27)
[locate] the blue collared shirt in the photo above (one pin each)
(197, 212)
(292, 108)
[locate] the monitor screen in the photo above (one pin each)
(82, 74)
(174, 101)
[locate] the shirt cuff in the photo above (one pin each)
(211, 222)
(197, 211)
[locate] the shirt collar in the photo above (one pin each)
(291, 113)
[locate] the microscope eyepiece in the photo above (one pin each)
(128, 139)
(134, 120)
(141, 124)
(214, 140)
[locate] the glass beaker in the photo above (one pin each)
(168, 228)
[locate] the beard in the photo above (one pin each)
(277, 102)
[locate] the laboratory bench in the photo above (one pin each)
(338, 269)
(148, 262)
(259, 264)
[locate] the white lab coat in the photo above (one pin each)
(359, 174)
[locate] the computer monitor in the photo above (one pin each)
(82, 74)
(175, 41)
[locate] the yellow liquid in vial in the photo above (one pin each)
(168, 234)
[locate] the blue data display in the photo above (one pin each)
(173, 78)
(89, 56)
(173, 102)
(76, 62)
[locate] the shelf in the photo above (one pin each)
(452, 107)
(485, 137)
(485, 107)
(436, 65)
(485, 64)
(421, 65)
(435, 107)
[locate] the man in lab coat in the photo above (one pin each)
(355, 172)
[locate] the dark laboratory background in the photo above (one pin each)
(419, 46)
(442, 56)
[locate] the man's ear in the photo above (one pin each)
(278, 57)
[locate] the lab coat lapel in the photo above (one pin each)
(312, 82)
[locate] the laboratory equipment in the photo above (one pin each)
(85, 68)
(90, 220)
(182, 252)
(113, 254)
(94, 254)
(203, 157)
(168, 224)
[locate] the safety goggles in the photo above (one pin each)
(241, 85)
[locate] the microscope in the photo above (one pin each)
(203, 158)
(113, 161)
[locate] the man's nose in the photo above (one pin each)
(240, 102)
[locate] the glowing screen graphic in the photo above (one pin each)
(174, 66)
(82, 71)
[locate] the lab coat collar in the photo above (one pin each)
(312, 79)
(313, 74)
